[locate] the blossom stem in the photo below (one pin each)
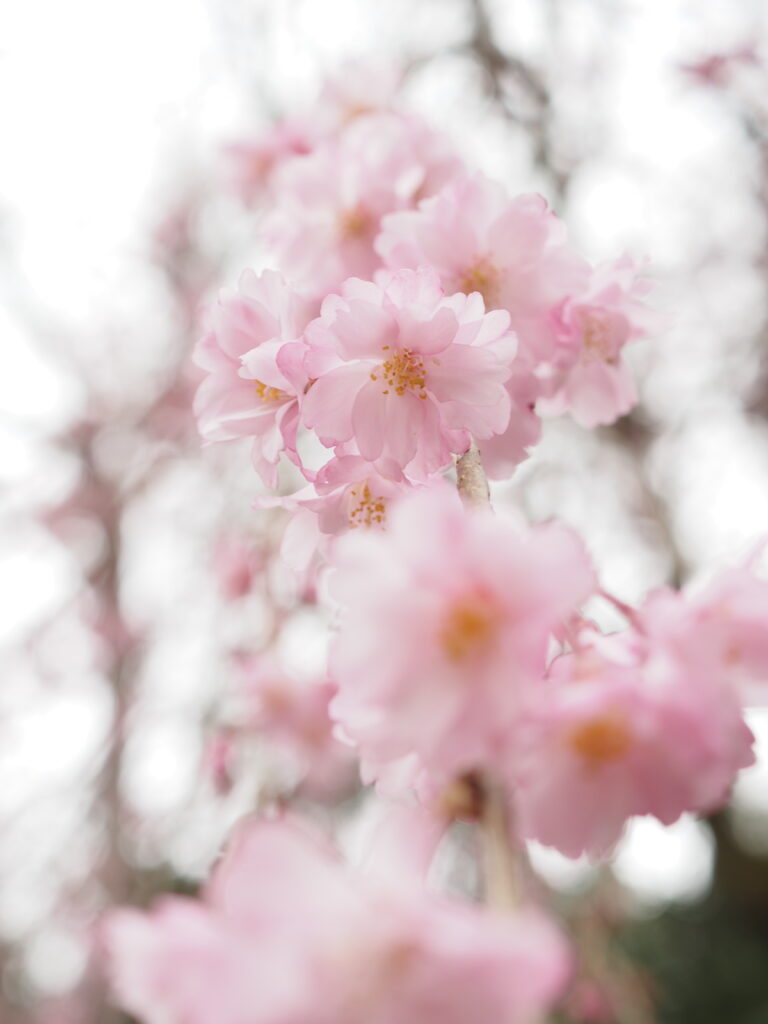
(500, 861)
(471, 481)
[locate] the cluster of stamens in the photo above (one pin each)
(365, 509)
(267, 393)
(597, 344)
(403, 371)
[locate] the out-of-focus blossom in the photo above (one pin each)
(721, 627)
(288, 934)
(416, 377)
(445, 625)
(327, 206)
(607, 740)
(251, 356)
(252, 163)
(291, 713)
(717, 69)
(237, 563)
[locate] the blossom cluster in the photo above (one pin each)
(480, 662)
(418, 313)
(416, 304)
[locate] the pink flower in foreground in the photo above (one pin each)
(329, 205)
(287, 935)
(252, 360)
(512, 251)
(605, 741)
(595, 325)
(446, 619)
(416, 377)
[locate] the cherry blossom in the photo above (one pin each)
(287, 934)
(414, 380)
(606, 740)
(594, 325)
(252, 360)
(513, 251)
(328, 205)
(445, 625)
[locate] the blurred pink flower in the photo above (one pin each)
(721, 627)
(328, 205)
(287, 934)
(236, 563)
(252, 163)
(607, 740)
(445, 625)
(292, 714)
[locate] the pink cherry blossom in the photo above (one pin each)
(328, 205)
(416, 376)
(287, 934)
(252, 163)
(236, 562)
(291, 713)
(445, 625)
(252, 360)
(720, 624)
(606, 740)
(594, 325)
(513, 251)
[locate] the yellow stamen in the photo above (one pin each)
(600, 740)
(597, 344)
(269, 394)
(404, 371)
(365, 509)
(354, 223)
(470, 627)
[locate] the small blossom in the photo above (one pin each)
(594, 326)
(291, 713)
(252, 359)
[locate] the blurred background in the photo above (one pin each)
(141, 595)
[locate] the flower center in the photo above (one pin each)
(601, 740)
(354, 223)
(268, 394)
(598, 340)
(482, 277)
(365, 509)
(469, 627)
(403, 371)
